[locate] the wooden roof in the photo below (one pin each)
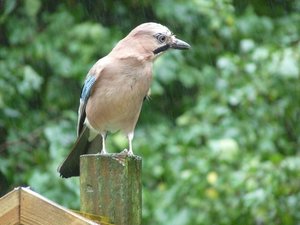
(24, 206)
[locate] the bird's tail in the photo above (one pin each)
(70, 166)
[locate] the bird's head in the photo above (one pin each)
(153, 39)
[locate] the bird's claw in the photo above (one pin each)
(102, 153)
(126, 152)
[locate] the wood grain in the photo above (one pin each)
(110, 186)
(24, 206)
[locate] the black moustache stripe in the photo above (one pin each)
(161, 49)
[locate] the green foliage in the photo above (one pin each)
(220, 134)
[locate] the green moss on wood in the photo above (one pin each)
(110, 186)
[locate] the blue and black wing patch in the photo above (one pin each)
(87, 87)
(85, 94)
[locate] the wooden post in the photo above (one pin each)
(111, 186)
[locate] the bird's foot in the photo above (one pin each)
(124, 152)
(127, 152)
(102, 152)
(120, 157)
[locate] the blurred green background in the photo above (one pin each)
(220, 136)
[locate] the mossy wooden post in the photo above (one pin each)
(111, 186)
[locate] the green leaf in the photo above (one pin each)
(32, 7)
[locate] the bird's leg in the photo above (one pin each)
(122, 155)
(103, 150)
(130, 138)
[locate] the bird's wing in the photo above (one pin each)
(84, 97)
(70, 166)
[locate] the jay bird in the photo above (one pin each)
(114, 90)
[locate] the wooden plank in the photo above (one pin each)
(10, 208)
(110, 186)
(35, 210)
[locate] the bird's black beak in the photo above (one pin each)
(175, 44)
(179, 44)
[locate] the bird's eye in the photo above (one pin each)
(161, 38)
